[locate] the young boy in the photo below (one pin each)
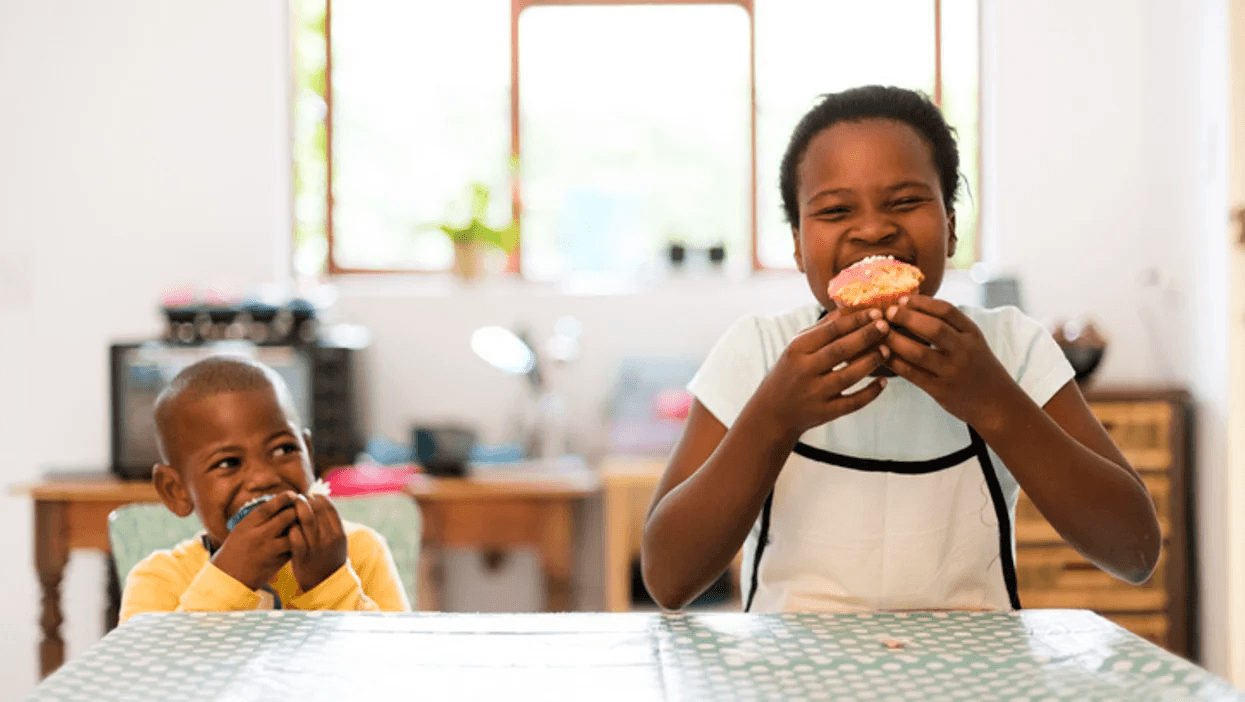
(228, 434)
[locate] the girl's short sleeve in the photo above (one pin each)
(731, 373)
(1028, 352)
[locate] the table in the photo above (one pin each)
(627, 487)
(505, 511)
(1048, 654)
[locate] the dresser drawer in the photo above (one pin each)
(1032, 528)
(1058, 577)
(1137, 426)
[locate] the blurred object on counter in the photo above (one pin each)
(267, 316)
(542, 422)
(388, 453)
(997, 289)
(443, 450)
(673, 403)
(368, 478)
(649, 404)
(1083, 345)
(326, 381)
(681, 255)
(492, 454)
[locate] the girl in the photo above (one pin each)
(851, 493)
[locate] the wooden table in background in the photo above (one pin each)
(492, 515)
(627, 485)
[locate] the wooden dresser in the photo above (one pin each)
(1154, 430)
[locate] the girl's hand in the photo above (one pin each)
(957, 369)
(317, 542)
(805, 387)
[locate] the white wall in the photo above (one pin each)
(142, 145)
(147, 148)
(1235, 487)
(1104, 182)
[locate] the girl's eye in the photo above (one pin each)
(837, 211)
(908, 202)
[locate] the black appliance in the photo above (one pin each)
(325, 380)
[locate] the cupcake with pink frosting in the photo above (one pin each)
(876, 281)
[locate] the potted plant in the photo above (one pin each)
(472, 241)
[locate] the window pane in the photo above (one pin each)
(960, 80)
(634, 133)
(421, 109)
(309, 137)
(806, 49)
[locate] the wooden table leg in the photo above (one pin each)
(557, 556)
(51, 555)
(617, 556)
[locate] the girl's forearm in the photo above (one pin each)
(695, 530)
(1096, 504)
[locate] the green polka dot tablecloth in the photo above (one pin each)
(1030, 655)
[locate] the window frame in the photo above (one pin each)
(514, 264)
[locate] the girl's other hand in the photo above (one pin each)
(805, 388)
(956, 368)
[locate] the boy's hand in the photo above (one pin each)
(805, 387)
(258, 546)
(958, 369)
(318, 542)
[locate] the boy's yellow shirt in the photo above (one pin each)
(184, 579)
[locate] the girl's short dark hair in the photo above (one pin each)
(872, 102)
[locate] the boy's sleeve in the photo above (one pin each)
(731, 372)
(367, 582)
(160, 583)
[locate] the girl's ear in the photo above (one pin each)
(172, 490)
(952, 239)
(798, 255)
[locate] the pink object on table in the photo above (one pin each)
(673, 404)
(369, 479)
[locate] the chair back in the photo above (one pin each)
(135, 531)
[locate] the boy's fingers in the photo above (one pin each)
(326, 512)
(280, 522)
(308, 520)
(298, 541)
(267, 510)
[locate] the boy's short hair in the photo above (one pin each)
(872, 102)
(213, 376)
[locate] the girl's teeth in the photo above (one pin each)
(871, 259)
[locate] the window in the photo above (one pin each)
(630, 125)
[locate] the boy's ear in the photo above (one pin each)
(311, 456)
(172, 490)
(952, 239)
(798, 255)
